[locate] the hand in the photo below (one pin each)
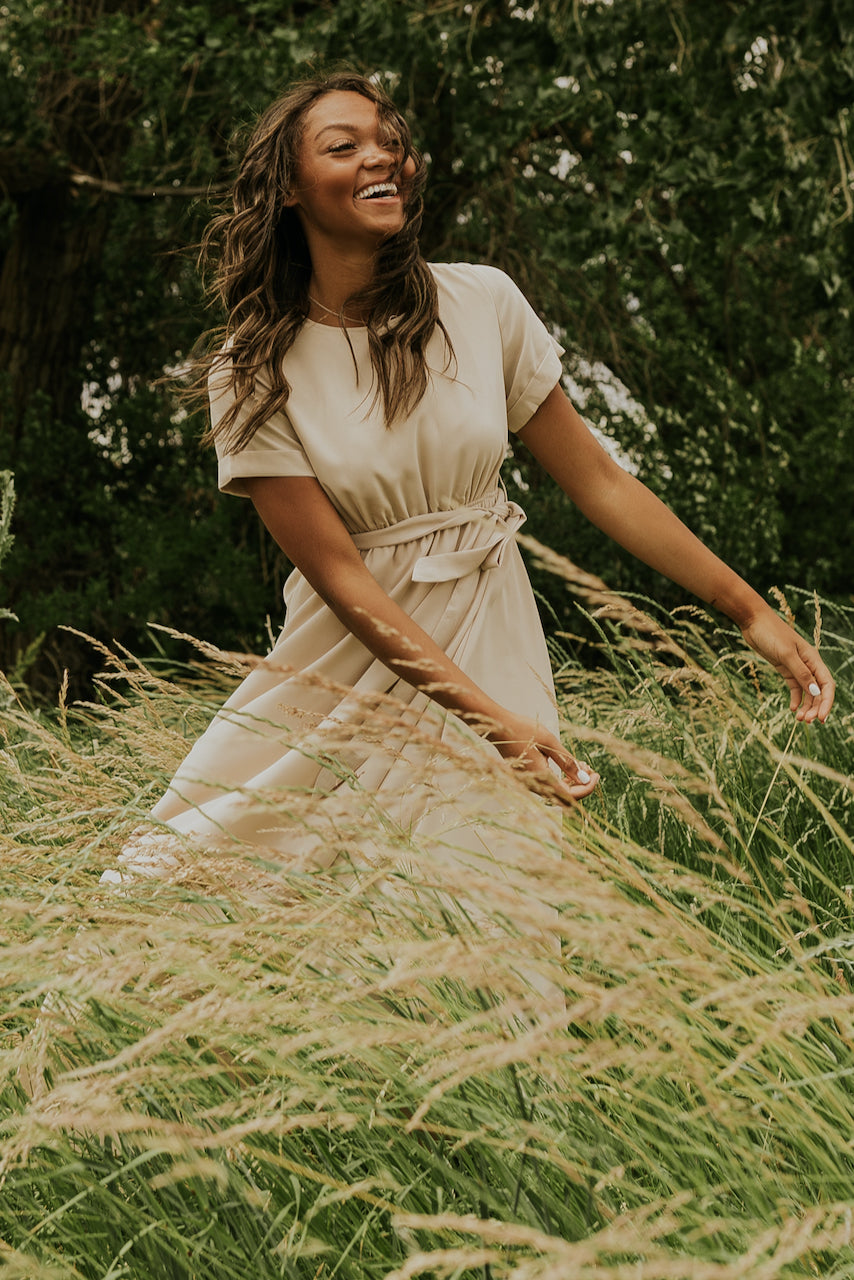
(529, 748)
(797, 661)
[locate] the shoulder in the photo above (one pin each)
(474, 284)
(221, 378)
(471, 277)
(479, 295)
(220, 384)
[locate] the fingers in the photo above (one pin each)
(586, 783)
(551, 786)
(822, 690)
(580, 779)
(535, 752)
(812, 687)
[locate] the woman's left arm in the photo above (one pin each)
(634, 517)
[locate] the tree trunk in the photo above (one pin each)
(52, 259)
(46, 287)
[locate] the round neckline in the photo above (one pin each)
(336, 328)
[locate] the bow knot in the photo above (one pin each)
(496, 514)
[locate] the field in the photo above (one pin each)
(239, 1070)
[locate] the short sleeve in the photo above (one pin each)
(274, 450)
(531, 356)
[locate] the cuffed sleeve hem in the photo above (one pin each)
(544, 380)
(234, 468)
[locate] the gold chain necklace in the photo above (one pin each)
(339, 315)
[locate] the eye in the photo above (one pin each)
(344, 145)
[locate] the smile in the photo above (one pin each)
(377, 189)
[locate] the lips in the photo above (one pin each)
(377, 189)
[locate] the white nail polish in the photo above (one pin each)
(814, 689)
(583, 776)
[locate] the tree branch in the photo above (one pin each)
(81, 179)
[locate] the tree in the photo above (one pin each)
(670, 183)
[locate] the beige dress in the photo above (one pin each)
(284, 767)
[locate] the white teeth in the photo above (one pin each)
(378, 188)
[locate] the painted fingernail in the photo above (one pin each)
(583, 775)
(814, 689)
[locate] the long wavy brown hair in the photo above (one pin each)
(261, 272)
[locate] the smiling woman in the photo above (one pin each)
(362, 399)
(267, 281)
(352, 183)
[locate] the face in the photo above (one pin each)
(350, 188)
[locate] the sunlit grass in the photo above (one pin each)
(239, 1071)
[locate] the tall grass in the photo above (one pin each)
(381, 1070)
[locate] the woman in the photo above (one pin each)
(361, 400)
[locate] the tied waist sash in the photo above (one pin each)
(498, 517)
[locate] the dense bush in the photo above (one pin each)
(669, 182)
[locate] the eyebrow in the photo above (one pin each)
(349, 128)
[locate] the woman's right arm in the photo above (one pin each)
(312, 535)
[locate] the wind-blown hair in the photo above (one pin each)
(262, 271)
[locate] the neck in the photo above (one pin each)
(335, 277)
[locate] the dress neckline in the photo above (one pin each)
(336, 328)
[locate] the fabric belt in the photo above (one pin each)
(498, 516)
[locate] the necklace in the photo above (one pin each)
(339, 315)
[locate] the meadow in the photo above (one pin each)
(245, 1070)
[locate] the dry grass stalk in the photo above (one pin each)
(635, 1055)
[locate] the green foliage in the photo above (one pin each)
(669, 182)
(233, 1070)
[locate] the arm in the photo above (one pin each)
(309, 530)
(629, 513)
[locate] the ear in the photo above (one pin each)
(290, 200)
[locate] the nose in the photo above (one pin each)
(380, 154)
